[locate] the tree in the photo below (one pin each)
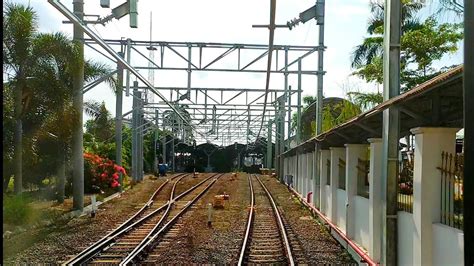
(40, 66)
(335, 111)
(421, 45)
(19, 27)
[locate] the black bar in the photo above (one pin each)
(468, 132)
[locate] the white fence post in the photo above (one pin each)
(375, 198)
(336, 153)
(323, 187)
(429, 143)
(353, 153)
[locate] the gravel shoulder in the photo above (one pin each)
(64, 239)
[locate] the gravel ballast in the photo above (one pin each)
(62, 240)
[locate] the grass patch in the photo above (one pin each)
(16, 209)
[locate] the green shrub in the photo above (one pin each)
(16, 209)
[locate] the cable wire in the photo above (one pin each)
(270, 49)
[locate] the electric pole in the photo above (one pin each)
(77, 134)
(390, 129)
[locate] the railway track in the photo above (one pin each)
(268, 239)
(117, 244)
(150, 251)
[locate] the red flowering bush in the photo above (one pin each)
(101, 173)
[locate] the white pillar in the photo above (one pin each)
(353, 153)
(336, 153)
(375, 198)
(429, 143)
(324, 155)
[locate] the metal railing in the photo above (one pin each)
(405, 183)
(452, 177)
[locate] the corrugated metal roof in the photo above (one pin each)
(411, 94)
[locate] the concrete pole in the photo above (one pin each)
(390, 129)
(118, 120)
(468, 131)
(320, 10)
(77, 134)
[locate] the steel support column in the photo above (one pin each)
(269, 145)
(155, 157)
(298, 114)
(164, 139)
(135, 124)
(77, 134)
(118, 120)
(140, 132)
(320, 10)
(391, 131)
(468, 132)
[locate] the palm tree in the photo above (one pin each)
(372, 46)
(20, 25)
(40, 67)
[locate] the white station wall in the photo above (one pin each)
(327, 202)
(361, 233)
(406, 235)
(448, 245)
(341, 209)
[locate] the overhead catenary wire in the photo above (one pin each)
(271, 27)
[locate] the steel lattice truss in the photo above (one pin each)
(220, 115)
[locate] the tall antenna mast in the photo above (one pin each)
(151, 72)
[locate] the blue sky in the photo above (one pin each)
(231, 21)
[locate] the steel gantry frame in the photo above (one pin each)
(208, 113)
(219, 113)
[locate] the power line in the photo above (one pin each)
(270, 49)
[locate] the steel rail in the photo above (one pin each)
(280, 224)
(162, 218)
(249, 224)
(110, 239)
(150, 243)
(90, 251)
